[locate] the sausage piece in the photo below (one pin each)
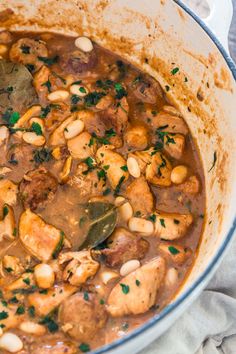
(38, 187)
(84, 317)
(124, 246)
(79, 61)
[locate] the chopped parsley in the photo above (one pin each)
(167, 87)
(50, 323)
(92, 98)
(4, 303)
(59, 77)
(20, 310)
(26, 281)
(102, 301)
(36, 128)
(137, 282)
(173, 250)
(14, 300)
(214, 161)
(25, 49)
(59, 245)
(31, 311)
(107, 191)
(109, 133)
(3, 315)
(124, 168)
(125, 288)
(89, 162)
(174, 71)
(42, 155)
(75, 99)
(12, 118)
(101, 175)
(162, 222)
(30, 67)
(5, 211)
(105, 85)
(84, 347)
(125, 326)
(48, 85)
(120, 91)
(49, 61)
(8, 269)
(163, 164)
(176, 221)
(45, 111)
(118, 187)
(86, 296)
(152, 218)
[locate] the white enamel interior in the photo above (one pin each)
(159, 29)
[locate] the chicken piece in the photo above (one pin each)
(170, 226)
(37, 188)
(12, 265)
(116, 116)
(25, 281)
(105, 102)
(28, 52)
(136, 293)
(177, 253)
(80, 146)
(5, 37)
(124, 246)
(53, 346)
(87, 181)
(174, 145)
(114, 163)
(57, 137)
(147, 90)
(80, 268)
(7, 224)
(190, 186)
(9, 319)
(86, 322)
(40, 78)
(143, 158)
(79, 62)
(45, 303)
(42, 240)
(158, 172)
(170, 123)
(8, 192)
(140, 196)
(136, 136)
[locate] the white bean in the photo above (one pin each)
(179, 174)
(44, 275)
(58, 95)
(38, 121)
(84, 44)
(32, 328)
(129, 267)
(11, 342)
(79, 90)
(133, 167)
(171, 277)
(4, 133)
(141, 225)
(107, 276)
(126, 211)
(3, 49)
(73, 129)
(119, 201)
(33, 139)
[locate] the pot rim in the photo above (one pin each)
(209, 271)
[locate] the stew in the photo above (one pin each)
(101, 195)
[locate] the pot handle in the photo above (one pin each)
(219, 20)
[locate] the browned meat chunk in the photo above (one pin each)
(140, 196)
(136, 136)
(116, 116)
(38, 187)
(83, 317)
(5, 37)
(148, 90)
(191, 186)
(79, 61)
(174, 145)
(53, 346)
(169, 123)
(28, 52)
(124, 246)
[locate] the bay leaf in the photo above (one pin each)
(99, 221)
(16, 89)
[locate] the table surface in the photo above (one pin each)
(201, 8)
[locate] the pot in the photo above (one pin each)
(153, 35)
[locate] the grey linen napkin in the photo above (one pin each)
(209, 325)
